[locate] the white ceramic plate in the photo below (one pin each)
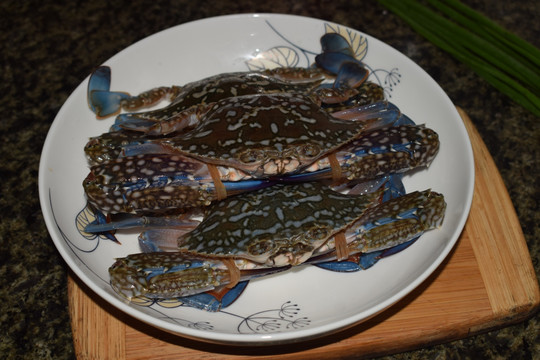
(299, 304)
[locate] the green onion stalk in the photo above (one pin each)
(507, 62)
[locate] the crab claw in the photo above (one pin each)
(101, 100)
(157, 275)
(332, 61)
(107, 103)
(333, 42)
(338, 58)
(388, 228)
(351, 74)
(166, 275)
(100, 80)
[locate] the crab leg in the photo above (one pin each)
(105, 103)
(156, 183)
(392, 223)
(179, 223)
(146, 123)
(376, 115)
(391, 150)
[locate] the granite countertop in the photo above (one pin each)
(49, 47)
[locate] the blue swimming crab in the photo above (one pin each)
(270, 230)
(162, 182)
(187, 102)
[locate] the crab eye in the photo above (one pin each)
(309, 150)
(251, 156)
(261, 247)
(317, 233)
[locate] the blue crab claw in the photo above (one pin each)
(107, 103)
(338, 58)
(333, 42)
(158, 183)
(351, 74)
(332, 61)
(100, 80)
(153, 271)
(101, 100)
(101, 219)
(377, 153)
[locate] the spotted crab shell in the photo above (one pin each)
(265, 134)
(222, 86)
(280, 225)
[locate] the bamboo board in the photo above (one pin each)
(488, 281)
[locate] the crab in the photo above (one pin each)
(263, 135)
(157, 183)
(336, 61)
(109, 145)
(188, 101)
(271, 230)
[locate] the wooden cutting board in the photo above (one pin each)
(487, 282)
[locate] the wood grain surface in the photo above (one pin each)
(487, 282)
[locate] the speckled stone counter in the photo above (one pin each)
(49, 47)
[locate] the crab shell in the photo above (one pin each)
(222, 86)
(276, 226)
(264, 135)
(108, 146)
